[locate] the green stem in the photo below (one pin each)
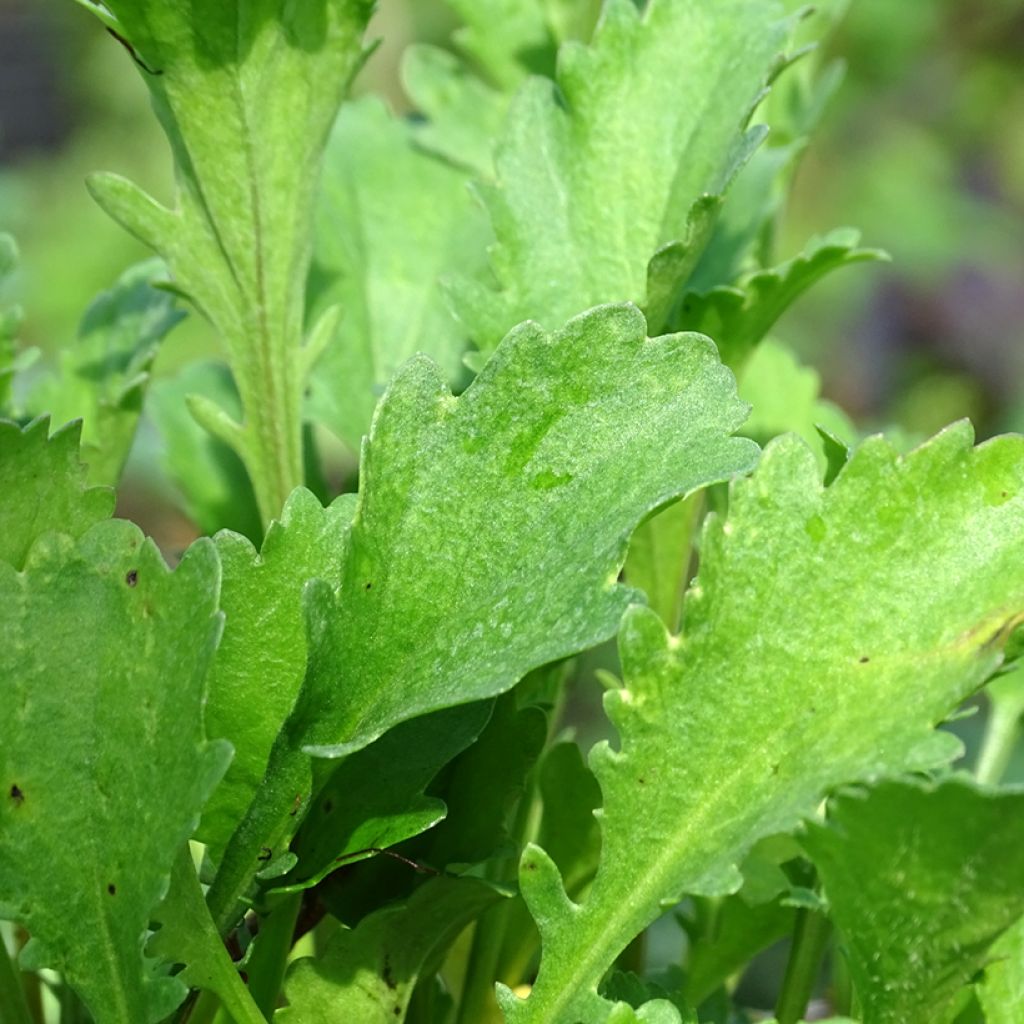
(1002, 731)
(264, 832)
(13, 1008)
(269, 958)
(809, 941)
(201, 941)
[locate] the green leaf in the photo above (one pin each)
(103, 762)
(491, 529)
(485, 783)
(246, 91)
(1001, 992)
(261, 660)
(569, 832)
(785, 397)
(213, 488)
(463, 114)
(103, 377)
(920, 879)
(368, 974)
(828, 631)
(507, 38)
(186, 935)
(739, 317)
(44, 486)
(10, 322)
(598, 171)
(391, 222)
(376, 798)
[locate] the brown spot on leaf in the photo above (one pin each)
(864, 659)
(386, 974)
(17, 796)
(328, 806)
(112, 889)
(132, 577)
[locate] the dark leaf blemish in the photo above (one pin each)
(132, 577)
(112, 889)
(17, 795)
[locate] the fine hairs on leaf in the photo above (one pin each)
(523, 636)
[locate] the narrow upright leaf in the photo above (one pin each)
(491, 529)
(600, 169)
(103, 760)
(261, 660)
(920, 880)
(43, 483)
(828, 631)
(392, 221)
(246, 91)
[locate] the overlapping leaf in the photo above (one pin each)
(102, 378)
(491, 529)
(1001, 992)
(368, 974)
(598, 171)
(376, 798)
(44, 487)
(738, 317)
(392, 221)
(103, 760)
(920, 881)
(828, 631)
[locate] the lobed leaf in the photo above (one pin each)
(828, 631)
(604, 167)
(368, 974)
(45, 487)
(738, 317)
(920, 879)
(490, 528)
(104, 764)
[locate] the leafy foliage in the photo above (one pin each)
(920, 881)
(401, 660)
(102, 379)
(812, 665)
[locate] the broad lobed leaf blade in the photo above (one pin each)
(491, 528)
(920, 879)
(828, 631)
(103, 762)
